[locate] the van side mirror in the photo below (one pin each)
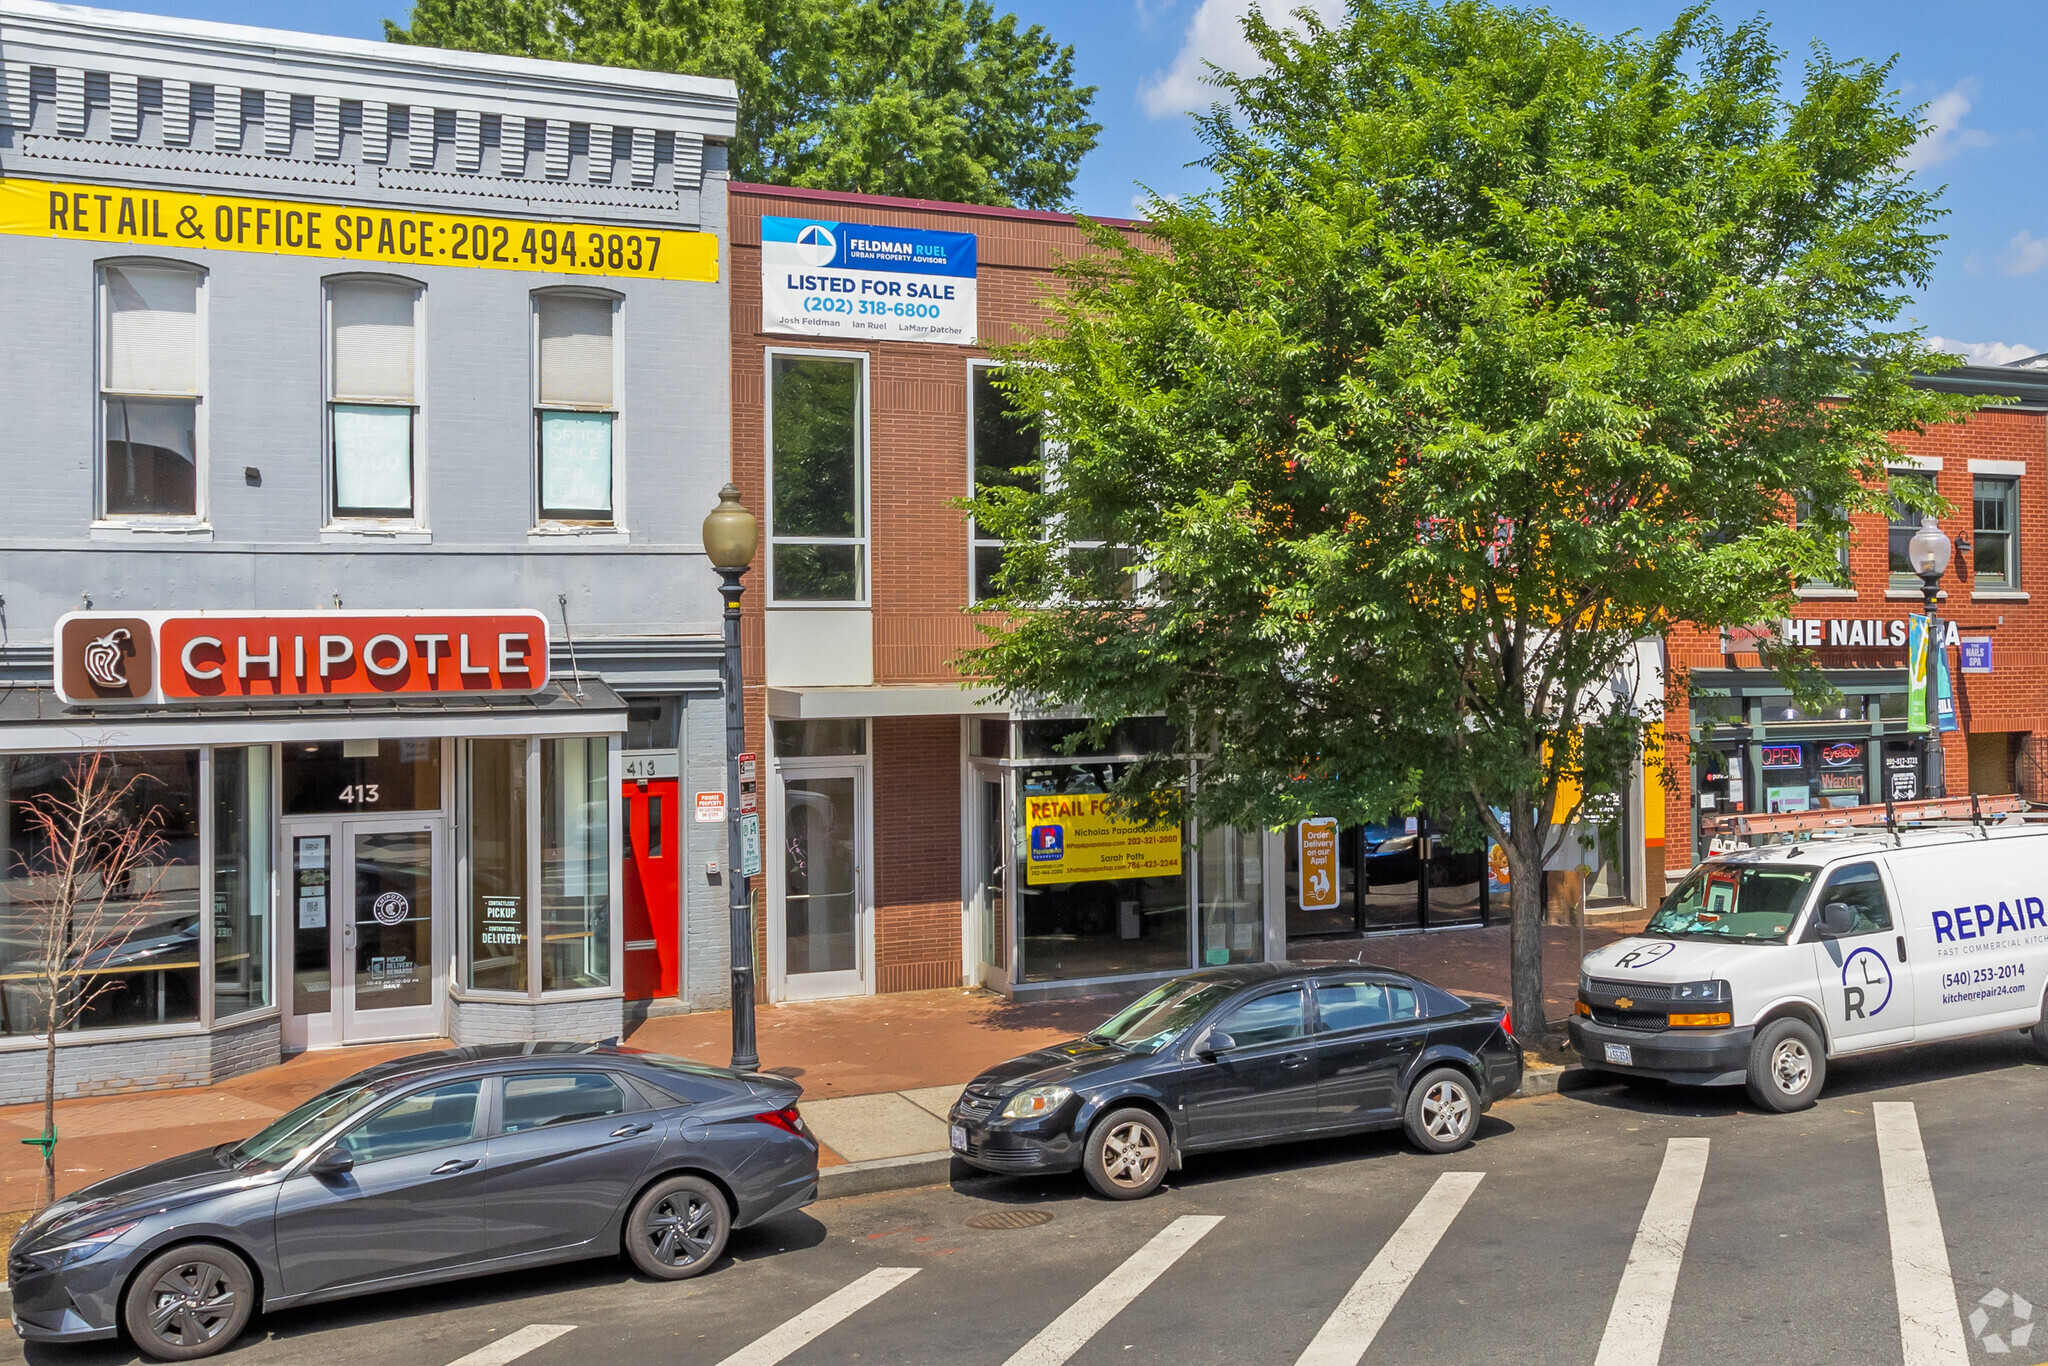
(334, 1162)
(1217, 1042)
(1837, 918)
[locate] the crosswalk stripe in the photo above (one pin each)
(514, 1345)
(1086, 1316)
(1930, 1324)
(1642, 1304)
(1356, 1321)
(779, 1342)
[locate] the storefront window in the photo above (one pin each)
(1808, 775)
(496, 820)
(362, 777)
(1232, 892)
(819, 739)
(1077, 916)
(575, 865)
(244, 834)
(142, 968)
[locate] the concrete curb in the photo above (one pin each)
(1549, 1080)
(889, 1174)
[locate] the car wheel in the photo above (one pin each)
(1442, 1111)
(1787, 1066)
(189, 1302)
(1126, 1154)
(678, 1228)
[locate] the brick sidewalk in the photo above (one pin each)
(915, 1042)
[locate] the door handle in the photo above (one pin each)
(1293, 1059)
(454, 1165)
(1902, 948)
(627, 1130)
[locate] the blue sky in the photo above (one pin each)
(1974, 63)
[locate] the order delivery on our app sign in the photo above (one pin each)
(822, 279)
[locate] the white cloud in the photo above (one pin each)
(1942, 134)
(1215, 37)
(1982, 353)
(2024, 255)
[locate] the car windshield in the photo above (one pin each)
(1152, 1021)
(288, 1135)
(1749, 904)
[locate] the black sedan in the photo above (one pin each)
(1237, 1056)
(429, 1168)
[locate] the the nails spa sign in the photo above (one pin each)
(111, 657)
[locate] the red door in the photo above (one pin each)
(652, 867)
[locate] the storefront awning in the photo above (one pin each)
(895, 699)
(34, 718)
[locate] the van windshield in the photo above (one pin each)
(1748, 904)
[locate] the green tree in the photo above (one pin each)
(1500, 347)
(932, 99)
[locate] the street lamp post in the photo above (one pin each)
(1929, 552)
(731, 536)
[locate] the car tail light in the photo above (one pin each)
(786, 1119)
(1507, 1023)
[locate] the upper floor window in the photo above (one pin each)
(1840, 577)
(817, 529)
(150, 390)
(1905, 521)
(576, 409)
(1002, 443)
(373, 398)
(1995, 519)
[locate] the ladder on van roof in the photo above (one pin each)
(1925, 811)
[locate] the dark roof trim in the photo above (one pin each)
(879, 201)
(2030, 387)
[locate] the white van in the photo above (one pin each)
(1765, 963)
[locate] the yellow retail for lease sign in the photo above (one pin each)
(1074, 839)
(342, 232)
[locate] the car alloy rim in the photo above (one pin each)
(1130, 1153)
(1792, 1067)
(679, 1229)
(191, 1303)
(1446, 1111)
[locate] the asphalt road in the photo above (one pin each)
(1583, 1228)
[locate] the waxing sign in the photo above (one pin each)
(107, 658)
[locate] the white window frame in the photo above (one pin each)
(335, 526)
(2009, 581)
(194, 521)
(865, 518)
(544, 525)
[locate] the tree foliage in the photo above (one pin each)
(1501, 347)
(933, 99)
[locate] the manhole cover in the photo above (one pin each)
(1011, 1218)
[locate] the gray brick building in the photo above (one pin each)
(365, 402)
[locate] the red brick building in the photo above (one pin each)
(1738, 740)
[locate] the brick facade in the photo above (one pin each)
(2000, 713)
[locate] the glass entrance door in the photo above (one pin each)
(823, 930)
(363, 936)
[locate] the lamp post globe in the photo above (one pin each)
(1929, 552)
(731, 536)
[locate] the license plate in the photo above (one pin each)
(959, 1136)
(1621, 1053)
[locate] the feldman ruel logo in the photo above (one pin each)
(815, 245)
(106, 657)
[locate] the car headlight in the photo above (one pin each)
(78, 1249)
(1701, 991)
(1034, 1101)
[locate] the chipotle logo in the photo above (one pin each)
(253, 656)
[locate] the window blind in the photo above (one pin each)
(152, 330)
(373, 340)
(575, 351)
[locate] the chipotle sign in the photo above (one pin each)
(105, 657)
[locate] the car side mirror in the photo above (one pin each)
(1217, 1042)
(1837, 918)
(333, 1162)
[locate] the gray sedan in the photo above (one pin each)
(433, 1167)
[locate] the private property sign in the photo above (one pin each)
(107, 658)
(821, 279)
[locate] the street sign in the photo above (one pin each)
(750, 804)
(750, 845)
(747, 767)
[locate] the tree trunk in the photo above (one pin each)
(1525, 925)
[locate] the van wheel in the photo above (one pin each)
(1126, 1154)
(1787, 1066)
(2038, 1035)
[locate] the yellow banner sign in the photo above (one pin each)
(1074, 839)
(342, 232)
